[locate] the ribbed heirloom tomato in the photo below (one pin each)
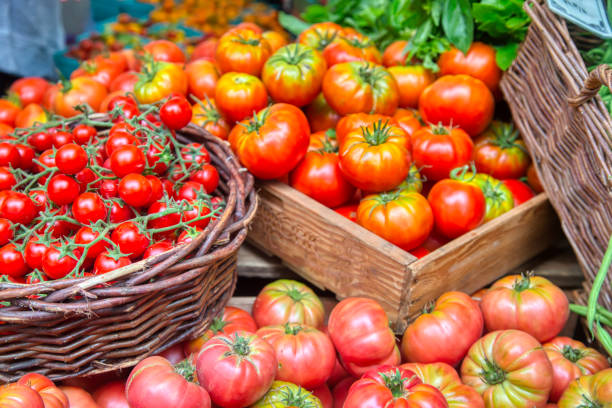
(164, 50)
(498, 197)
(320, 115)
(591, 391)
(437, 150)
(275, 39)
(273, 141)
(409, 120)
(356, 121)
(78, 91)
(360, 86)
(351, 46)
(51, 395)
(500, 152)
(30, 89)
(202, 76)
(242, 50)
(521, 192)
(19, 396)
(159, 80)
(395, 53)
(240, 95)
(206, 115)
(320, 35)
(411, 82)
(294, 74)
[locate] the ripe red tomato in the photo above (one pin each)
(162, 221)
(393, 387)
(33, 254)
(589, 391)
(457, 206)
(349, 320)
(409, 120)
(323, 393)
(78, 397)
(135, 190)
(41, 141)
(118, 138)
(79, 91)
(351, 46)
(30, 89)
(403, 218)
(60, 138)
(521, 192)
(375, 157)
(206, 115)
(395, 54)
(500, 152)
(7, 179)
(294, 74)
(120, 213)
(6, 232)
(340, 391)
(62, 189)
(205, 50)
(31, 115)
(100, 70)
(70, 158)
(273, 142)
(190, 191)
(175, 112)
(360, 86)
(125, 82)
(18, 208)
(202, 76)
(320, 35)
(533, 179)
(156, 249)
(454, 319)
(19, 396)
(83, 133)
(348, 211)
(111, 395)
(508, 368)
(242, 50)
(154, 383)
(127, 159)
(164, 50)
(355, 121)
(319, 176)
(357, 370)
(479, 62)
(89, 208)
(237, 369)
(26, 156)
(9, 155)
(320, 115)
(458, 100)
(571, 359)
(195, 153)
(8, 112)
(130, 239)
(437, 150)
(12, 262)
(288, 301)
(208, 176)
(411, 82)
(276, 40)
(105, 262)
(84, 236)
(58, 262)
(529, 303)
(51, 395)
(240, 95)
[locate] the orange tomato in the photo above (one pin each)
(411, 82)
(394, 54)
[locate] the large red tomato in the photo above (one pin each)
(457, 206)
(99, 69)
(294, 74)
(589, 391)
(236, 369)
(51, 395)
(111, 395)
(458, 100)
(240, 95)
(320, 35)
(375, 158)
(232, 320)
(288, 301)
(358, 370)
(498, 198)
(319, 176)
(19, 396)
(500, 152)
(159, 80)
(393, 387)
(166, 51)
(529, 303)
(78, 397)
(242, 50)
(30, 89)
(348, 322)
(479, 62)
(297, 347)
(340, 391)
(275, 39)
(445, 378)
(205, 50)
(445, 332)
(155, 383)
(355, 121)
(395, 54)
(351, 46)
(360, 86)
(409, 120)
(126, 81)
(521, 192)
(30, 115)
(411, 82)
(571, 359)
(9, 109)
(206, 115)
(437, 150)
(508, 368)
(320, 115)
(202, 77)
(78, 91)
(273, 141)
(403, 218)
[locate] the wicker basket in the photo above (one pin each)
(569, 133)
(83, 327)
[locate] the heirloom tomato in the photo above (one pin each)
(240, 95)
(521, 192)
(357, 370)
(205, 50)
(159, 80)
(294, 74)
(284, 394)
(288, 301)
(445, 331)
(320, 35)
(458, 100)
(297, 347)
(126, 81)
(375, 158)
(236, 369)
(323, 393)
(164, 50)
(348, 211)
(100, 70)
(571, 359)
(500, 152)
(457, 206)
(78, 397)
(589, 391)
(360, 86)
(353, 317)
(355, 121)
(273, 141)
(202, 77)
(403, 218)
(275, 40)
(319, 176)
(498, 197)
(9, 109)
(479, 62)
(111, 395)
(51, 395)
(323, 140)
(232, 320)
(534, 179)
(320, 115)
(30, 116)
(78, 91)
(508, 368)
(395, 54)
(155, 383)
(411, 82)
(409, 120)
(242, 50)
(206, 115)
(532, 304)
(393, 387)
(437, 150)
(445, 378)
(340, 391)
(19, 396)
(351, 46)
(30, 89)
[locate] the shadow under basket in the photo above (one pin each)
(88, 326)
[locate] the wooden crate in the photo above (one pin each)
(336, 254)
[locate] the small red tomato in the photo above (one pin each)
(33, 254)
(208, 176)
(7, 179)
(85, 236)
(39, 198)
(85, 177)
(190, 191)
(157, 248)
(6, 232)
(61, 138)
(40, 141)
(26, 156)
(83, 134)
(127, 159)
(58, 263)
(70, 158)
(12, 262)
(120, 100)
(89, 208)
(130, 239)
(162, 221)
(109, 188)
(120, 213)
(106, 263)
(135, 190)
(175, 112)
(188, 235)
(157, 188)
(200, 210)
(62, 189)
(46, 159)
(195, 153)
(521, 192)
(127, 111)
(18, 208)
(117, 139)
(158, 158)
(9, 155)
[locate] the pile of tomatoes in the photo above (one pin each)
(86, 196)
(498, 348)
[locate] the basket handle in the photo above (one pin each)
(602, 75)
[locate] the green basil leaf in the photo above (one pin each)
(291, 23)
(505, 54)
(436, 11)
(316, 14)
(458, 24)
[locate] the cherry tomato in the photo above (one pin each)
(127, 159)
(57, 263)
(89, 208)
(109, 188)
(208, 176)
(175, 112)
(6, 232)
(18, 208)
(41, 141)
(130, 240)
(157, 188)
(12, 262)
(107, 263)
(84, 236)
(157, 248)
(7, 179)
(135, 190)
(120, 213)
(9, 155)
(164, 221)
(190, 191)
(60, 138)
(70, 158)
(117, 139)
(62, 189)
(195, 153)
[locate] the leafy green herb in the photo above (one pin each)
(458, 24)
(595, 57)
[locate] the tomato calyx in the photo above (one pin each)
(492, 373)
(439, 129)
(241, 346)
(257, 121)
(295, 294)
(357, 42)
(294, 54)
(428, 308)
(209, 111)
(461, 173)
(293, 328)
(217, 325)
(523, 283)
(395, 384)
(325, 38)
(186, 369)
(369, 74)
(506, 136)
(246, 41)
(329, 145)
(295, 398)
(572, 354)
(89, 67)
(378, 134)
